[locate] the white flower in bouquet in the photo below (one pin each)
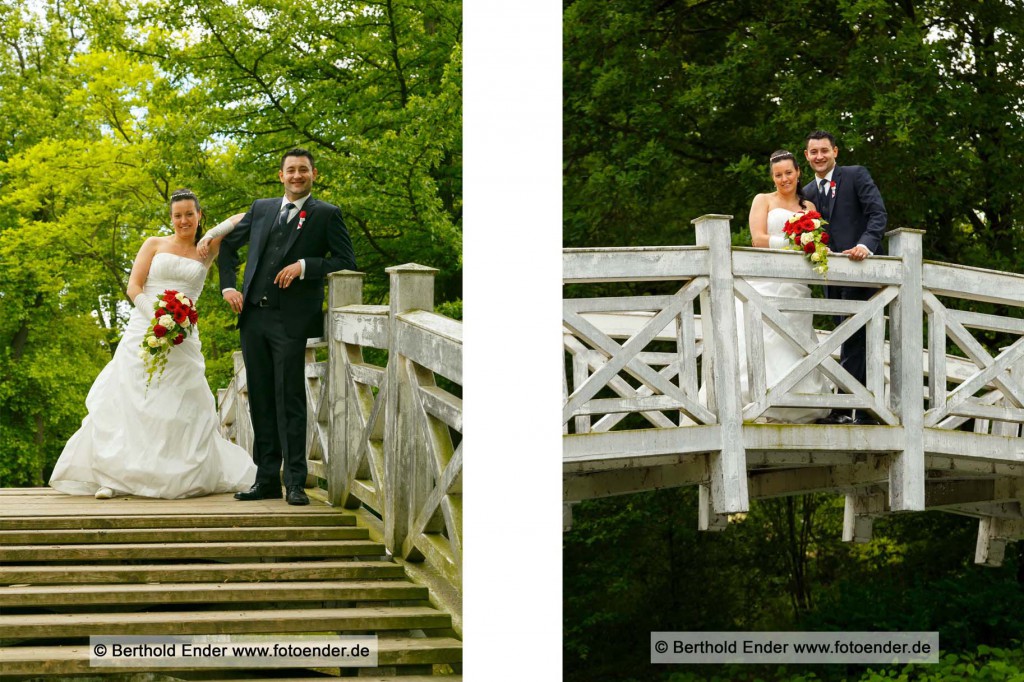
(166, 321)
(807, 238)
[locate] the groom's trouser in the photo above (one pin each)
(852, 354)
(275, 374)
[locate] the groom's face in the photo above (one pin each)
(297, 175)
(821, 155)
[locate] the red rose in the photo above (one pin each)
(159, 331)
(178, 339)
(193, 316)
(169, 296)
(809, 247)
(302, 214)
(160, 312)
(824, 237)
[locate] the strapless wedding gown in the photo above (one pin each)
(162, 442)
(780, 355)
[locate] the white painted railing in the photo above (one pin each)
(383, 437)
(652, 389)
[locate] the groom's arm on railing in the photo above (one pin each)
(227, 260)
(874, 210)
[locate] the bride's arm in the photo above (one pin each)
(140, 272)
(759, 222)
(210, 243)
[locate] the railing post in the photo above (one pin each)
(728, 466)
(345, 287)
(906, 473)
(408, 475)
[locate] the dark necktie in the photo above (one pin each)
(282, 219)
(822, 188)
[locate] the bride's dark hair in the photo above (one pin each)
(182, 195)
(783, 155)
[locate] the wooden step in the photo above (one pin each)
(371, 618)
(223, 573)
(71, 660)
(201, 593)
(137, 535)
(331, 518)
(189, 550)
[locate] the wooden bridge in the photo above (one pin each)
(378, 552)
(944, 370)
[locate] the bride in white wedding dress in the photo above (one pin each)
(768, 214)
(161, 442)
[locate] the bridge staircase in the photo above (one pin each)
(72, 568)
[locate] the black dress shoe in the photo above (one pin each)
(261, 491)
(296, 495)
(866, 420)
(834, 418)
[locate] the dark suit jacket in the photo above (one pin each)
(856, 213)
(323, 232)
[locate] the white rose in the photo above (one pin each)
(181, 297)
(186, 301)
(166, 321)
(152, 341)
(807, 238)
(815, 256)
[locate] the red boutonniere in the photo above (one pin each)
(302, 216)
(832, 186)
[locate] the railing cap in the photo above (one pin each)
(411, 267)
(711, 216)
(346, 273)
(904, 230)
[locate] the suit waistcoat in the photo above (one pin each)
(269, 266)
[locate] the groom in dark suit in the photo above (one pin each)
(294, 242)
(849, 200)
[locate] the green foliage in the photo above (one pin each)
(107, 107)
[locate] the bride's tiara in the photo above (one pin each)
(779, 157)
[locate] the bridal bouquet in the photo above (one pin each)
(174, 318)
(806, 232)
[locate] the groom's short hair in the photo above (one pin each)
(821, 135)
(298, 151)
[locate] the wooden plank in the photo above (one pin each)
(362, 325)
(640, 443)
(441, 404)
(427, 346)
(174, 521)
(633, 264)
(617, 304)
(69, 660)
(167, 535)
(976, 284)
(791, 266)
(634, 479)
(190, 550)
(32, 626)
(966, 445)
(199, 593)
(223, 573)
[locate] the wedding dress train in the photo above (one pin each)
(162, 442)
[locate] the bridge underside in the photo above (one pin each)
(978, 475)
